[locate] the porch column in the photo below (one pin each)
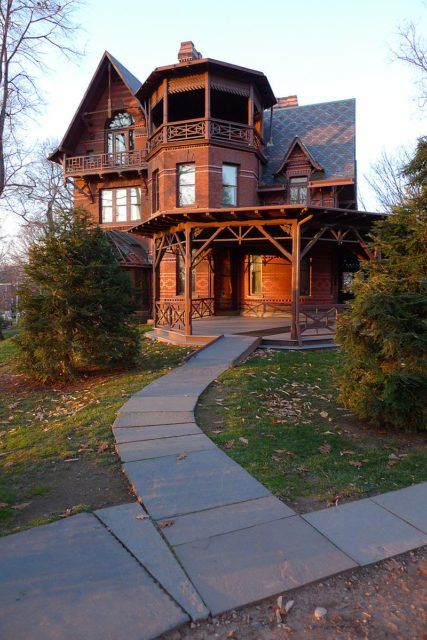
(154, 282)
(188, 293)
(296, 280)
(165, 110)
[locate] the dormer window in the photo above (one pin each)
(119, 135)
(298, 190)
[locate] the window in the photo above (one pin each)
(180, 277)
(155, 191)
(255, 275)
(229, 184)
(186, 184)
(298, 190)
(119, 137)
(305, 277)
(121, 205)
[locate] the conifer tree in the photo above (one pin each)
(383, 373)
(74, 304)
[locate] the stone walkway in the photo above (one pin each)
(208, 537)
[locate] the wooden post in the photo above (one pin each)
(154, 282)
(188, 293)
(207, 104)
(251, 113)
(165, 110)
(296, 280)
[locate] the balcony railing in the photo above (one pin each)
(210, 129)
(102, 162)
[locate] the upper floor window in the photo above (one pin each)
(298, 190)
(155, 191)
(229, 184)
(119, 136)
(255, 275)
(186, 187)
(121, 205)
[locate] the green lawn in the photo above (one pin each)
(276, 414)
(56, 445)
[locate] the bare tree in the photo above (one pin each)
(412, 49)
(387, 181)
(29, 31)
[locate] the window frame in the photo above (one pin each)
(233, 186)
(302, 185)
(179, 184)
(255, 258)
(111, 134)
(113, 191)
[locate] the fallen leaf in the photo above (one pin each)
(143, 517)
(346, 452)
(229, 444)
(289, 605)
(284, 452)
(103, 446)
(275, 459)
(181, 456)
(244, 440)
(325, 448)
(324, 414)
(231, 634)
(3, 505)
(320, 612)
(334, 501)
(71, 459)
(355, 463)
(21, 505)
(166, 523)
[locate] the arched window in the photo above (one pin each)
(119, 137)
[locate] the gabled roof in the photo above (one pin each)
(327, 131)
(297, 142)
(128, 248)
(131, 82)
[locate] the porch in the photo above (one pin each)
(272, 272)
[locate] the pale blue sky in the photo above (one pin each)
(321, 51)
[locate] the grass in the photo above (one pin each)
(54, 439)
(277, 415)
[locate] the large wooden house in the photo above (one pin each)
(228, 200)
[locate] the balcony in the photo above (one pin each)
(101, 163)
(211, 129)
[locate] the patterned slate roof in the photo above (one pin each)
(128, 78)
(128, 248)
(327, 130)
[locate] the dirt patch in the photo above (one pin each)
(67, 484)
(387, 600)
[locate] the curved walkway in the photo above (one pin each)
(206, 536)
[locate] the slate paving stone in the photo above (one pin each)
(159, 403)
(242, 567)
(195, 526)
(131, 451)
(135, 434)
(72, 580)
(410, 504)
(365, 531)
(204, 479)
(145, 542)
(152, 418)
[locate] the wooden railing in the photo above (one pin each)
(320, 319)
(260, 307)
(170, 312)
(212, 129)
(105, 161)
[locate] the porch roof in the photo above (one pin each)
(166, 220)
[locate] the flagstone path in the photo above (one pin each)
(205, 538)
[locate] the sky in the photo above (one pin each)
(321, 51)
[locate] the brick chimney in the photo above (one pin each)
(288, 101)
(188, 51)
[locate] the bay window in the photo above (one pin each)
(121, 205)
(229, 184)
(186, 186)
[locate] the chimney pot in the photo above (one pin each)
(287, 101)
(188, 51)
